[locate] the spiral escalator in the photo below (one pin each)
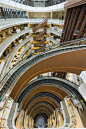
(40, 36)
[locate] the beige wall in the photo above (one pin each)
(39, 15)
(56, 15)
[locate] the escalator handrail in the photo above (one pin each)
(40, 24)
(82, 39)
(24, 65)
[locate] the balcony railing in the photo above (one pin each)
(22, 66)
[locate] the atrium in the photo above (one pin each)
(42, 64)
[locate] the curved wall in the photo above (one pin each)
(73, 62)
(61, 94)
(18, 6)
(42, 98)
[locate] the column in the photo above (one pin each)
(82, 87)
(48, 123)
(27, 13)
(56, 117)
(32, 45)
(51, 15)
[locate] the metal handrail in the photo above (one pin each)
(11, 39)
(41, 23)
(59, 45)
(40, 41)
(40, 34)
(17, 69)
(68, 85)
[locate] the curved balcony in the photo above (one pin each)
(5, 44)
(11, 56)
(24, 68)
(4, 24)
(39, 95)
(23, 52)
(17, 21)
(42, 103)
(57, 84)
(65, 116)
(18, 6)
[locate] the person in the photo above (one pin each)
(62, 17)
